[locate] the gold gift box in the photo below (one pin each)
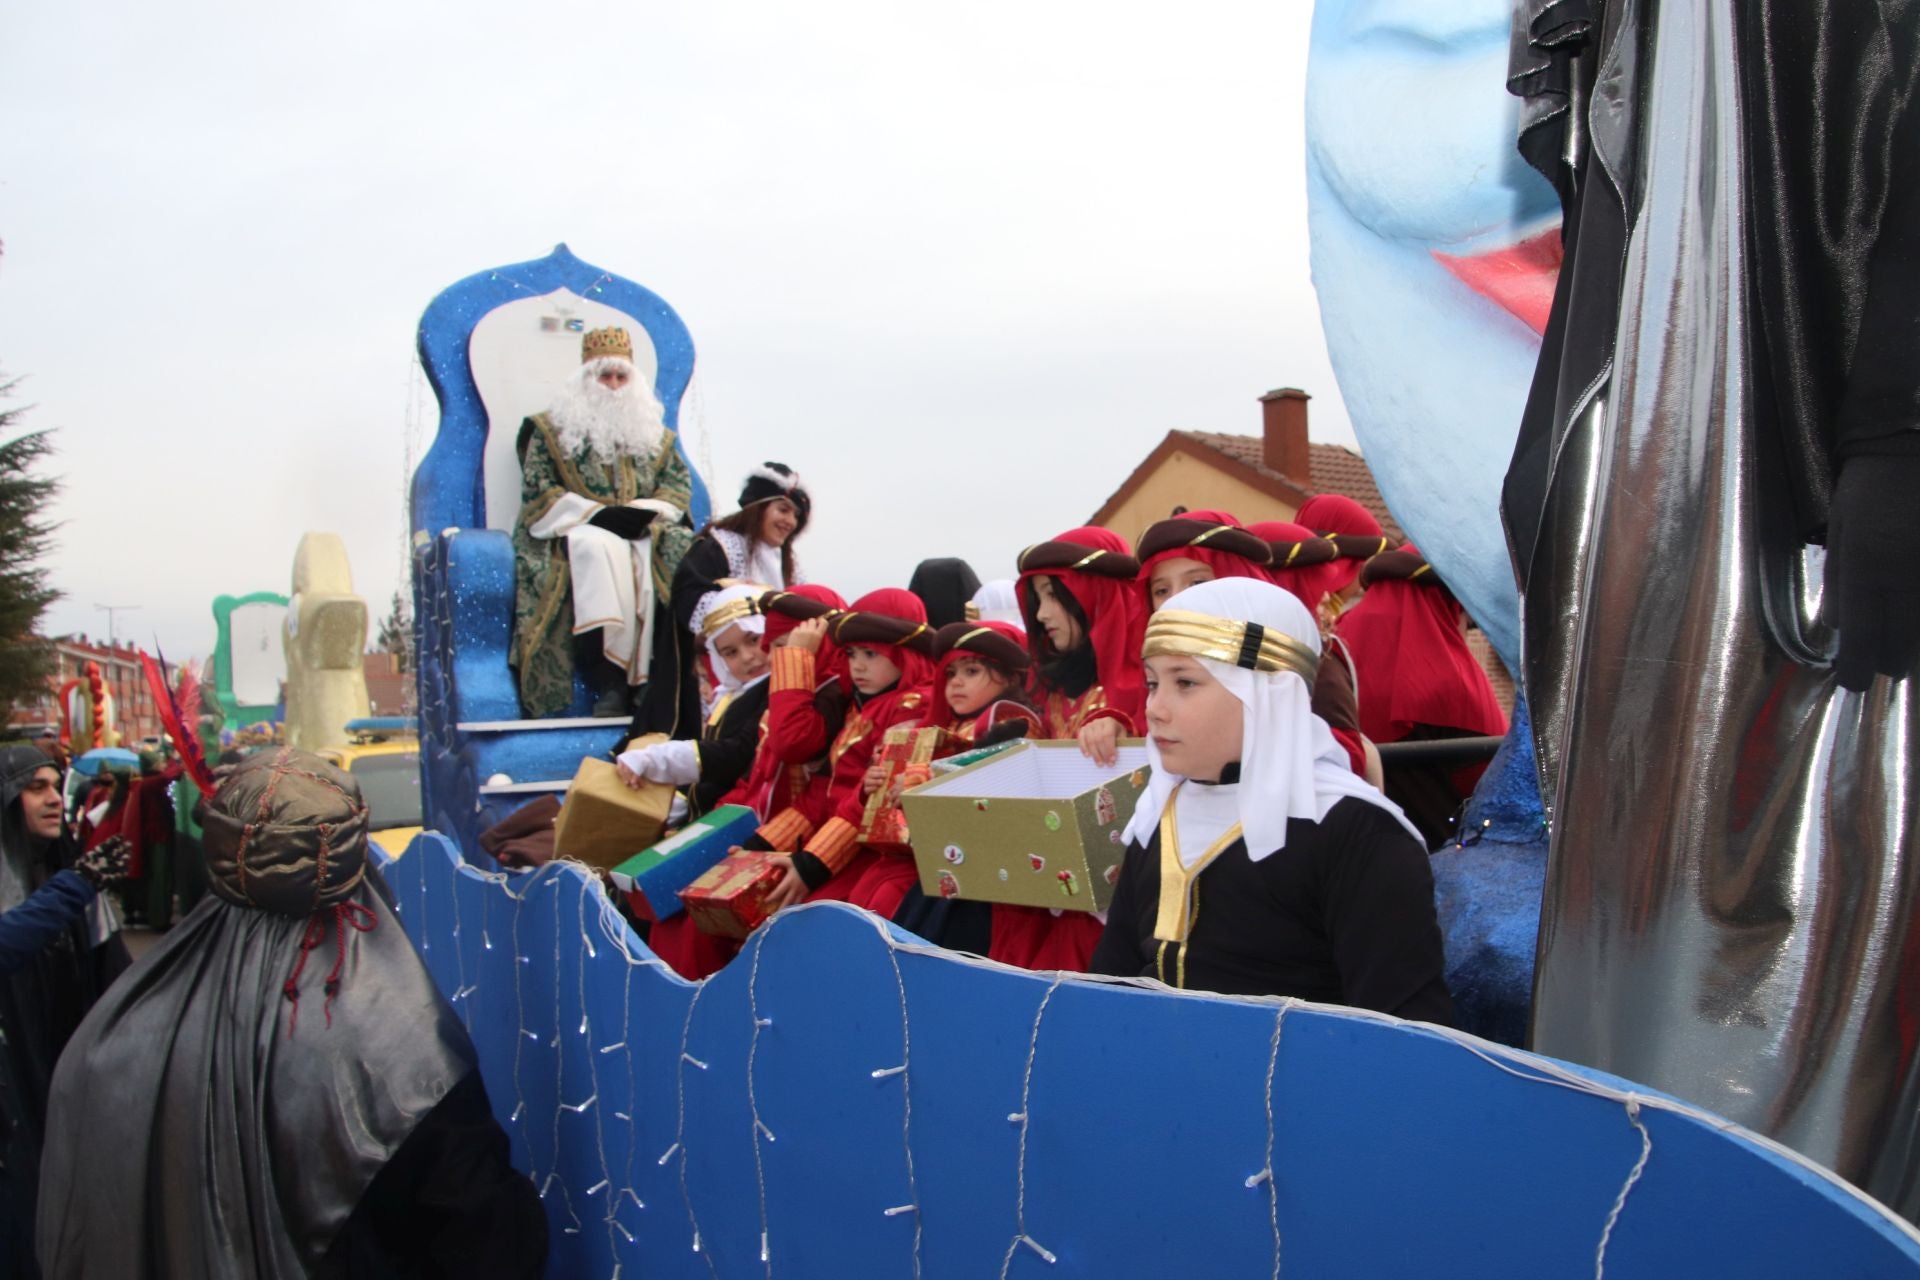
(1037, 825)
(603, 821)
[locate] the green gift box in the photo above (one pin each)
(1037, 825)
(660, 873)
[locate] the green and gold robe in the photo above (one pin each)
(542, 651)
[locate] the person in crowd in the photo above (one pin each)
(944, 586)
(981, 672)
(1085, 617)
(49, 912)
(887, 642)
(754, 544)
(808, 693)
(730, 624)
(1256, 862)
(59, 949)
(1300, 561)
(280, 1090)
(1196, 547)
(788, 776)
(1084, 620)
(1356, 537)
(600, 534)
(996, 601)
(980, 676)
(1419, 683)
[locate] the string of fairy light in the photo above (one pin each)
(623, 1214)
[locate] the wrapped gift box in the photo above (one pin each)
(603, 821)
(906, 753)
(730, 898)
(659, 874)
(953, 764)
(1038, 825)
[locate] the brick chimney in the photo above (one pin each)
(1283, 434)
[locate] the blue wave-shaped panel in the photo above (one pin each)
(763, 1117)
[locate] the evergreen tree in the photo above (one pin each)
(26, 536)
(396, 631)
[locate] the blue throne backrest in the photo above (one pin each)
(495, 347)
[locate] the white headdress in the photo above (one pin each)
(1261, 643)
(996, 602)
(728, 607)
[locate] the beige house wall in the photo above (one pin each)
(1185, 481)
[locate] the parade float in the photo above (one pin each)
(843, 1099)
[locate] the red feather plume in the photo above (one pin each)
(179, 727)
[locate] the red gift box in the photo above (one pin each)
(729, 900)
(904, 754)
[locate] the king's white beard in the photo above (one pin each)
(609, 422)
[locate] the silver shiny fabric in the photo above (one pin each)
(1729, 912)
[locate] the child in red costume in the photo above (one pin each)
(1421, 682)
(806, 705)
(1196, 547)
(1304, 563)
(886, 640)
(1356, 537)
(1086, 622)
(980, 674)
(787, 777)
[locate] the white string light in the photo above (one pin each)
(1620, 1201)
(906, 1107)
(760, 1129)
(615, 931)
(1265, 1175)
(1023, 1118)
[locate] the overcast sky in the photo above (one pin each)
(962, 266)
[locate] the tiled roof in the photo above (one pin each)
(1336, 469)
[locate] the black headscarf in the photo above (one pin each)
(944, 586)
(223, 1109)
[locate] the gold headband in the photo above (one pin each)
(1243, 644)
(722, 616)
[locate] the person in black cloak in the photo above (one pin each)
(209, 1120)
(754, 544)
(945, 586)
(61, 952)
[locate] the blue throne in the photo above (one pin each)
(476, 338)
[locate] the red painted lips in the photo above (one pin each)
(1519, 278)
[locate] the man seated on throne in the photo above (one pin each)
(604, 495)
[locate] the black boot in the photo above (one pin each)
(611, 695)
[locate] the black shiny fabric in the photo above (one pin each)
(196, 1129)
(223, 1109)
(1571, 62)
(1832, 141)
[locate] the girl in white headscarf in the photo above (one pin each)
(730, 624)
(1257, 862)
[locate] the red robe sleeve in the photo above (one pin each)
(797, 731)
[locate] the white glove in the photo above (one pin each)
(677, 811)
(676, 763)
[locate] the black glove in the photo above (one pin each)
(1872, 594)
(813, 872)
(105, 864)
(622, 522)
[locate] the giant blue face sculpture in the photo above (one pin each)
(1434, 254)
